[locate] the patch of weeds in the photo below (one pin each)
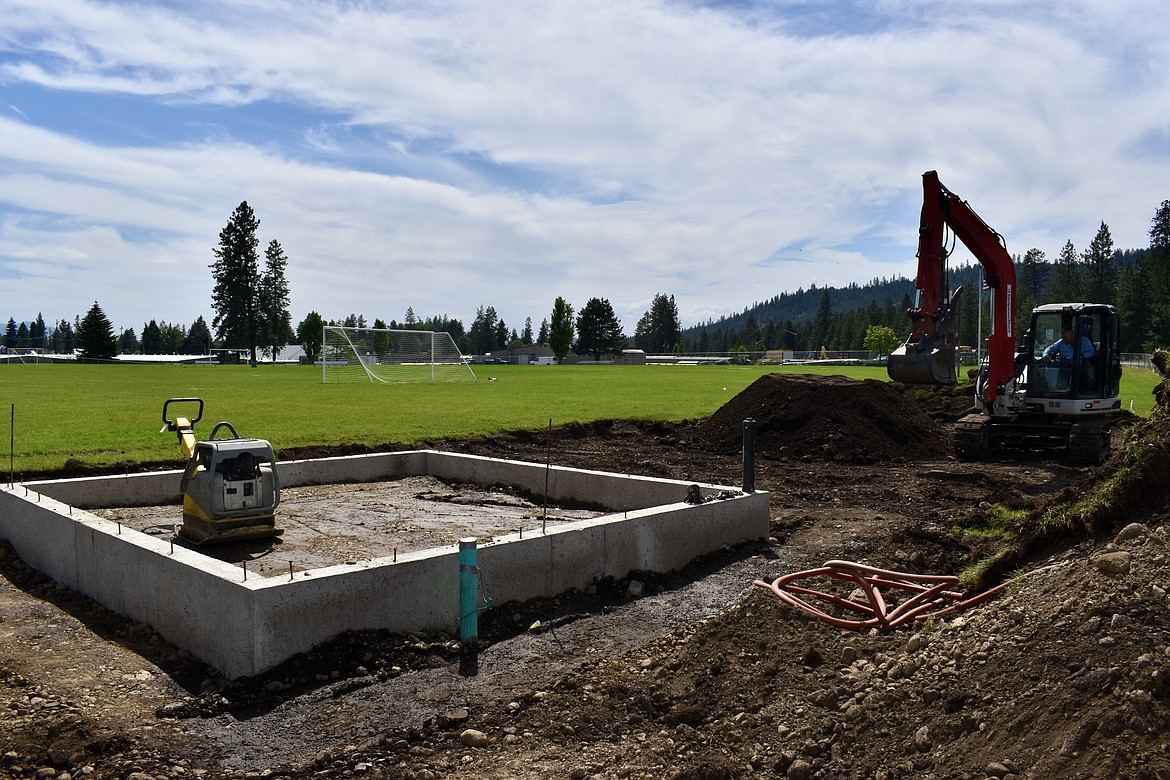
(1108, 502)
(987, 569)
(996, 522)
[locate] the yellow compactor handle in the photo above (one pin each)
(183, 426)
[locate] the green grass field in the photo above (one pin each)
(109, 415)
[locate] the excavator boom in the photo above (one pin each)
(928, 356)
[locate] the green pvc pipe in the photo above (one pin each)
(468, 591)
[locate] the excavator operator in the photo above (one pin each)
(1061, 352)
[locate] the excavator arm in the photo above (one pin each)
(928, 356)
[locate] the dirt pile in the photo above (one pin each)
(826, 418)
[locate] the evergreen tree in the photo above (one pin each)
(39, 332)
(703, 343)
(822, 320)
(198, 341)
(410, 320)
(526, 334)
(310, 332)
(95, 336)
(1158, 264)
(151, 339)
(64, 338)
(10, 334)
(501, 339)
(1134, 309)
(599, 331)
(128, 342)
(1031, 281)
(750, 335)
(659, 329)
(560, 334)
(275, 330)
(171, 338)
(542, 336)
(1066, 277)
(483, 330)
(236, 295)
(1100, 268)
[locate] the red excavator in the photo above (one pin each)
(1058, 389)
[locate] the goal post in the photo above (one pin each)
(390, 356)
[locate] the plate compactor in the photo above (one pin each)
(230, 486)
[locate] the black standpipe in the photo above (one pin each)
(749, 455)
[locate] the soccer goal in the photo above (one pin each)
(383, 355)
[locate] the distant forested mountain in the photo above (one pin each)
(837, 318)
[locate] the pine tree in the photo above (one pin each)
(542, 335)
(276, 322)
(151, 338)
(236, 295)
(526, 334)
(64, 338)
(171, 338)
(483, 335)
(822, 320)
(128, 342)
(95, 338)
(658, 330)
(198, 341)
(1066, 277)
(1100, 268)
(599, 331)
(1134, 308)
(1158, 265)
(1031, 281)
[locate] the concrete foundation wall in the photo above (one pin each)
(191, 600)
(246, 626)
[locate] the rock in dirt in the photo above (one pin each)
(825, 418)
(1113, 562)
(1130, 532)
(474, 738)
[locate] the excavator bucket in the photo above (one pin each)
(924, 363)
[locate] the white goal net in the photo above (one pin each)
(381, 355)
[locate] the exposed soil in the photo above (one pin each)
(696, 675)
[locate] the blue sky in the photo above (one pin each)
(448, 155)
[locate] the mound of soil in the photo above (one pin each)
(826, 418)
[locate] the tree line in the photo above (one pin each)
(251, 309)
(595, 330)
(1135, 281)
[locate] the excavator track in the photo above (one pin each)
(973, 437)
(1088, 443)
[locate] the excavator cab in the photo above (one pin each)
(1073, 362)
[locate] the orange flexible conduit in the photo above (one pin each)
(930, 595)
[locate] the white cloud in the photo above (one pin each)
(456, 154)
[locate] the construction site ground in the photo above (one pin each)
(694, 675)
